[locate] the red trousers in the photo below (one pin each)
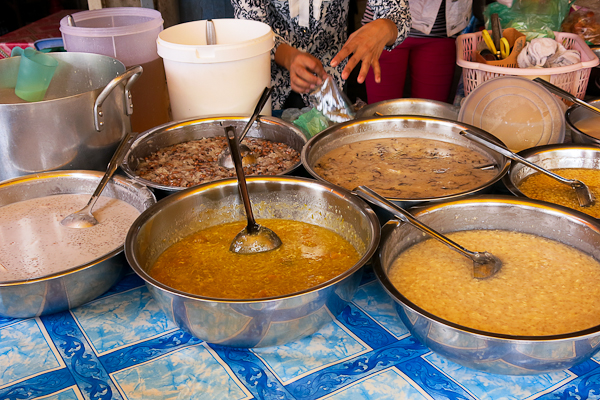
(431, 61)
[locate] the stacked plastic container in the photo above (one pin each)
(128, 34)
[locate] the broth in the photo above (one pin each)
(543, 288)
(541, 187)
(33, 243)
(408, 168)
(202, 264)
(590, 126)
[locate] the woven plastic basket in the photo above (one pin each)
(572, 78)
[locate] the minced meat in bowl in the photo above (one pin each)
(184, 154)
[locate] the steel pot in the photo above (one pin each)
(77, 285)
(485, 351)
(410, 106)
(255, 322)
(404, 126)
(79, 123)
(574, 115)
(171, 133)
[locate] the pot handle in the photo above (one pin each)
(132, 74)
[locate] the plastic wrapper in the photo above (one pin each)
(312, 122)
(331, 102)
(534, 18)
(584, 22)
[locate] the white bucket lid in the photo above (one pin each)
(237, 39)
(141, 20)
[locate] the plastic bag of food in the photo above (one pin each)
(331, 101)
(584, 22)
(534, 18)
(312, 122)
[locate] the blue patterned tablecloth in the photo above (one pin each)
(121, 346)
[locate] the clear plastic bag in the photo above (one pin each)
(331, 102)
(584, 22)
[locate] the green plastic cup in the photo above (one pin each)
(35, 73)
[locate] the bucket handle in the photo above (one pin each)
(132, 73)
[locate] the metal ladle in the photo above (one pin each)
(584, 196)
(253, 238)
(84, 218)
(485, 264)
(224, 159)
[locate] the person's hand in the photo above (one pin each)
(366, 45)
(306, 71)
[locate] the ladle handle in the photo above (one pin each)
(211, 34)
(372, 197)
(509, 154)
(565, 95)
(259, 106)
(236, 156)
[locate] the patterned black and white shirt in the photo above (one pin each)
(323, 38)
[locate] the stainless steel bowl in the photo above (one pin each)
(78, 285)
(489, 352)
(257, 322)
(574, 115)
(410, 106)
(269, 128)
(403, 126)
(551, 156)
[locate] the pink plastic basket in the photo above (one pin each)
(572, 78)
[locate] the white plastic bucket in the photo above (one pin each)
(224, 79)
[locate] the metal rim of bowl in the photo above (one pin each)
(369, 110)
(573, 128)
(314, 141)
(547, 148)
(146, 136)
(396, 295)
(156, 208)
(69, 173)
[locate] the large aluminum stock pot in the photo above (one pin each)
(404, 126)
(255, 322)
(490, 352)
(78, 285)
(79, 123)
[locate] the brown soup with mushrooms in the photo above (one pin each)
(408, 168)
(202, 264)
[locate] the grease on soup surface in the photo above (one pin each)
(541, 187)
(202, 264)
(408, 168)
(544, 287)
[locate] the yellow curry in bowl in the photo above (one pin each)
(202, 264)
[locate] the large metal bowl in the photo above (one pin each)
(75, 286)
(256, 322)
(489, 352)
(574, 115)
(410, 106)
(269, 128)
(403, 126)
(552, 156)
